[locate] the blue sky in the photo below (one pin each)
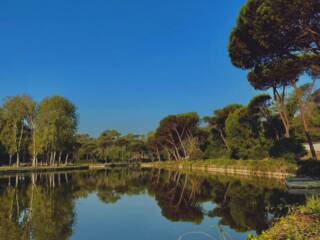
(124, 63)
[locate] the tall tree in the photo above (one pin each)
(105, 141)
(18, 114)
(176, 132)
(267, 36)
(57, 124)
(217, 122)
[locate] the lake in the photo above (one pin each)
(140, 204)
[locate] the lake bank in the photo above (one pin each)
(6, 170)
(279, 169)
(302, 223)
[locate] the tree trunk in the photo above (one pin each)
(34, 160)
(18, 159)
(67, 157)
(54, 158)
(304, 122)
(158, 154)
(224, 139)
(280, 104)
(60, 155)
(19, 145)
(181, 143)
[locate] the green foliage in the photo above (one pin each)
(302, 223)
(312, 206)
(278, 47)
(244, 141)
(289, 148)
(270, 165)
(216, 148)
(264, 32)
(30, 130)
(177, 134)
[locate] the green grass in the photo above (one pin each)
(303, 223)
(29, 168)
(269, 165)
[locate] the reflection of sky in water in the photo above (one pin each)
(139, 218)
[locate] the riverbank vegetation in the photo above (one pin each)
(302, 223)
(267, 167)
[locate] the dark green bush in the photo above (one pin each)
(288, 148)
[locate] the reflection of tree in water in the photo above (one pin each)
(245, 207)
(240, 205)
(41, 206)
(178, 196)
(35, 210)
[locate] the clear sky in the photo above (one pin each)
(124, 63)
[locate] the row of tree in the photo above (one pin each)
(46, 132)
(252, 131)
(42, 133)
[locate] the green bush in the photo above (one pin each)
(197, 154)
(244, 142)
(312, 206)
(287, 148)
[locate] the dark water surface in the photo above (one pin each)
(135, 204)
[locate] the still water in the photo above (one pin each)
(137, 204)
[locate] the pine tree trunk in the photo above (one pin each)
(18, 159)
(305, 123)
(67, 157)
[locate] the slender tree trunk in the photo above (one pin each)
(60, 155)
(280, 104)
(181, 143)
(19, 145)
(34, 160)
(18, 160)
(223, 139)
(305, 124)
(66, 160)
(10, 159)
(177, 153)
(158, 154)
(54, 158)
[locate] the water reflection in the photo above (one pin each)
(42, 206)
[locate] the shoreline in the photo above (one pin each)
(61, 168)
(211, 168)
(41, 169)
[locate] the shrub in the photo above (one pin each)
(288, 148)
(312, 206)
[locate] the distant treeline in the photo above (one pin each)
(46, 133)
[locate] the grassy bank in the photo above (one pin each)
(5, 170)
(26, 169)
(272, 168)
(303, 223)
